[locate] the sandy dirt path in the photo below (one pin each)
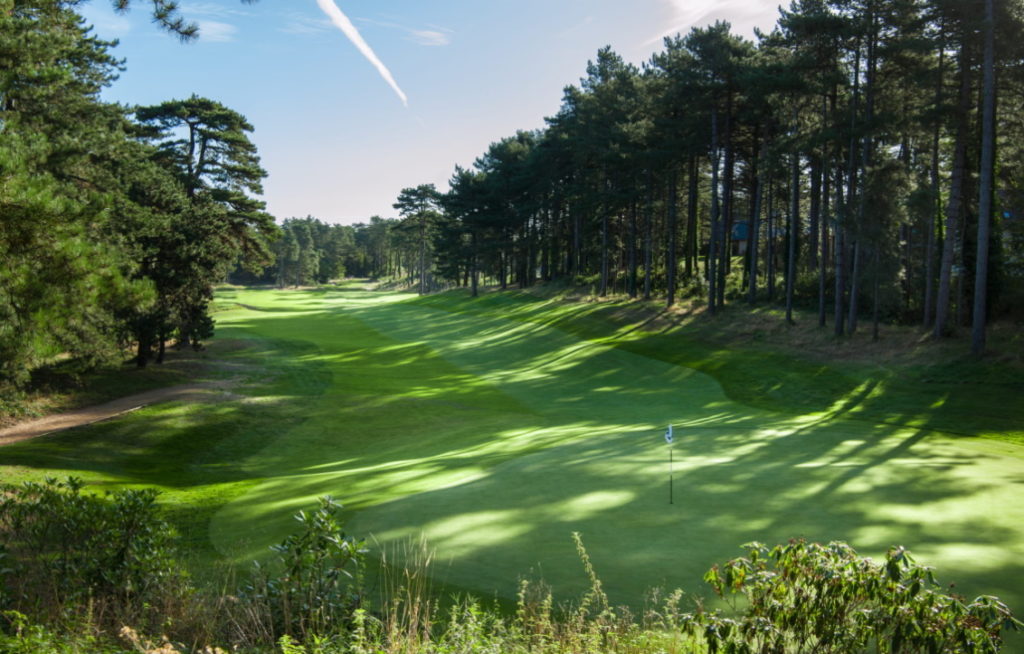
(88, 415)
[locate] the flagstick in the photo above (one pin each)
(670, 498)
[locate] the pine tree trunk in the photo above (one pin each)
(929, 253)
(838, 319)
(713, 238)
(604, 253)
(475, 274)
(934, 217)
(823, 222)
(794, 225)
(693, 190)
(648, 238)
(769, 254)
(671, 263)
(851, 320)
(815, 209)
(631, 251)
(577, 242)
(874, 291)
(423, 256)
(953, 205)
(143, 352)
(755, 227)
(985, 191)
(725, 228)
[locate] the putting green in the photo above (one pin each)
(497, 438)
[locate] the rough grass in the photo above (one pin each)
(500, 425)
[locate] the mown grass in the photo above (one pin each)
(905, 379)
(498, 426)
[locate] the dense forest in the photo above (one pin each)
(847, 161)
(115, 221)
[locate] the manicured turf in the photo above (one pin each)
(499, 426)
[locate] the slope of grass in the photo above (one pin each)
(921, 384)
(499, 426)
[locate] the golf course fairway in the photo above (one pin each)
(496, 437)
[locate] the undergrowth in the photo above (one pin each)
(89, 574)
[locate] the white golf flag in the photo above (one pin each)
(668, 435)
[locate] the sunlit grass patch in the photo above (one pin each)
(498, 426)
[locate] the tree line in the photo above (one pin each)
(115, 221)
(310, 251)
(847, 161)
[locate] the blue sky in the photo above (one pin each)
(334, 134)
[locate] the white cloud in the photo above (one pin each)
(303, 24)
(107, 23)
(430, 37)
(211, 9)
(342, 22)
(743, 15)
(215, 31)
(435, 36)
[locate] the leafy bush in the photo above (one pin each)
(108, 558)
(313, 587)
(29, 638)
(808, 597)
(68, 550)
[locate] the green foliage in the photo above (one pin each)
(309, 252)
(61, 285)
(104, 239)
(221, 222)
(312, 587)
(809, 597)
(19, 635)
(70, 550)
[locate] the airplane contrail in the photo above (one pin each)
(342, 22)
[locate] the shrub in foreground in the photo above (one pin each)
(66, 551)
(310, 590)
(97, 573)
(808, 597)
